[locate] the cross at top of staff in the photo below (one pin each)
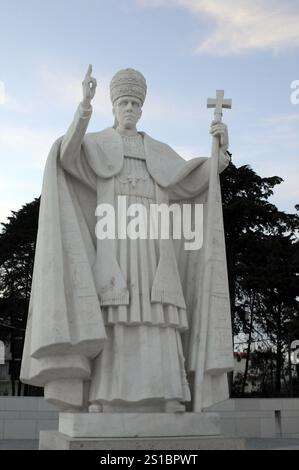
(218, 103)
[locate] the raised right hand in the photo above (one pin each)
(89, 85)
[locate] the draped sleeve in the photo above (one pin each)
(197, 181)
(73, 155)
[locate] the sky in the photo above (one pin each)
(186, 49)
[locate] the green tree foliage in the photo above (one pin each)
(262, 251)
(17, 247)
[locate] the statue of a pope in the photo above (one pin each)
(110, 319)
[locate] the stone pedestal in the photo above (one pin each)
(54, 440)
(145, 431)
(125, 425)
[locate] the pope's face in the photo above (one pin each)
(127, 111)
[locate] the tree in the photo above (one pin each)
(262, 253)
(17, 247)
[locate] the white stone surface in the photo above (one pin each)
(19, 403)
(53, 440)
(268, 427)
(4, 415)
(290, 422)
(46, 417)
(20, 429)
(259, 417)
(1, 429)
(25, 417)
(289, 404)
(139, 424)
(135, 356)
(45, 425)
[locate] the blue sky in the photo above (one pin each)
(185, 48)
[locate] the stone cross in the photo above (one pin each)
(218, 103)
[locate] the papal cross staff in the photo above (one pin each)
(218, 103)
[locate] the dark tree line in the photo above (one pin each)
(263, 266)
(17, 247)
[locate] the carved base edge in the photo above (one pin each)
(54, 440)
(124, 425)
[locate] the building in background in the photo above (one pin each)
(5, 380)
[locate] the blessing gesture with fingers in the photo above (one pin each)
(89, 85)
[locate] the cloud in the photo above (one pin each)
(242, 26)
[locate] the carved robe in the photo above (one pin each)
(110, 320)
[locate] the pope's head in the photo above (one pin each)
(127, 92)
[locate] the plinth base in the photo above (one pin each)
(54, 440)
(125, 425)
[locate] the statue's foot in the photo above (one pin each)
(95, 408)
(174, 406)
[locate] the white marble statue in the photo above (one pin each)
(111, 324)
